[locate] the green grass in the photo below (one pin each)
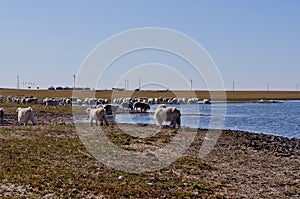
(189, 162)
(199, 186)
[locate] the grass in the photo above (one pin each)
(188, 162)
(51, 159)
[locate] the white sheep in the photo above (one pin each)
(193, 100)
(97, 114)
(26, 114)
(167, 114)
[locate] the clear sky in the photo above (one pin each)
(253, 43)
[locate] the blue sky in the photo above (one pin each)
(252, 42)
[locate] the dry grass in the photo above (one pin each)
(230, 95)
(254, 95)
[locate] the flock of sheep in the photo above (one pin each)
(101, 111)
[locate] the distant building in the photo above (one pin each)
(51, 88)
(68, 88)
(59, 88)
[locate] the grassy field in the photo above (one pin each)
(49, 160)
(230, 95)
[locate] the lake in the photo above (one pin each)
(281, 119)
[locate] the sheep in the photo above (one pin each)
(26, 114)
(98, 114)
(78, 101)
(206, 101)
(167, 114)
(71, 101)
(1, 115)
(9, 99)
(127, 105)
(15, 100)
(193, 100)
(111, 110)
(51, 102)
(92, 101)
(182, 101)
(143, 106)
(68, 102)
(150, 101)
(29, 100)
(1, 98)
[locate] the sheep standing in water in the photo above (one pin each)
(163, 113)
(97, 114)
(142, 106)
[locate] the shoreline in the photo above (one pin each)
(67, 118)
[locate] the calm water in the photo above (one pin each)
(275, 118)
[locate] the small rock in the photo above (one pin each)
(75, 191)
